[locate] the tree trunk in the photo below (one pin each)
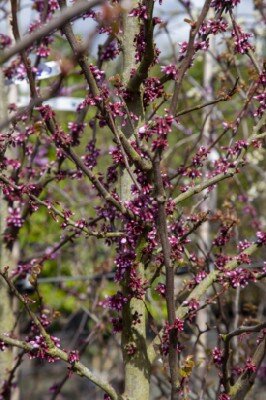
(137, 367)
(6, 315)
(10, 259)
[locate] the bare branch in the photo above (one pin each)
(189, 55)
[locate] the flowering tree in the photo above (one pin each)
(127, 176)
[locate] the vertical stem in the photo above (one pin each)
(137, 366)
(209, 203)
(7, 318)
(8, 256)
(130, 29)
(170, 275)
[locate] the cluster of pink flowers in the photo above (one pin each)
(109, 52)
(153, 90)
(73, 356)
(14, 218)
(40, 348)
(239, 277)
(39, 5)
(177, 327)
(140, 45)
(224, 396)
(170, 70)
(90, 158)
(214, 27)
(227, 4)
(97, 73)
(76, 130)
(161, 289)
(261, 98)
(140, 12)
(217, 356)
(2, 346)
(241, 40)
(5, 41)
(261, 237)
(114, 302)
(136, 285)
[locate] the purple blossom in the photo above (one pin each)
(261, 98)
(33, 26)
(43, 51)
(73, 356)
(192, 304)
(239, 277)
(46, 112)
(242, 245)
(161, 289)
(109, 52)
(140, 12)
(243, 258)
(117, 109)
(5, 41)
(112, 174)
(227, 4)
(40, 4)
(88, 101)
(201, 45)
(214, 27)
(200, 157)
(14, 218)
(90, 159)
(183, 47)
(117, 156)
(242, 44)
(115, 302)
(223, 237)
(140, 45)
(136, 318)
(224, 396)
(2, 346)
(178, 326)
(262, 78)
(131, 348)
(76, 130)
(217, 356)
(97, 73)
(153, 90)
(136, 285)
(200, 276)
(40, 348)
(261, 237)
(161, 128)
(170, 70)
(117, 324)
(53, 5)
(250, 366)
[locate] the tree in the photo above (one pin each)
(138, 207)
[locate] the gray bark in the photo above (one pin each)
(6, 315)
(137, 367)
